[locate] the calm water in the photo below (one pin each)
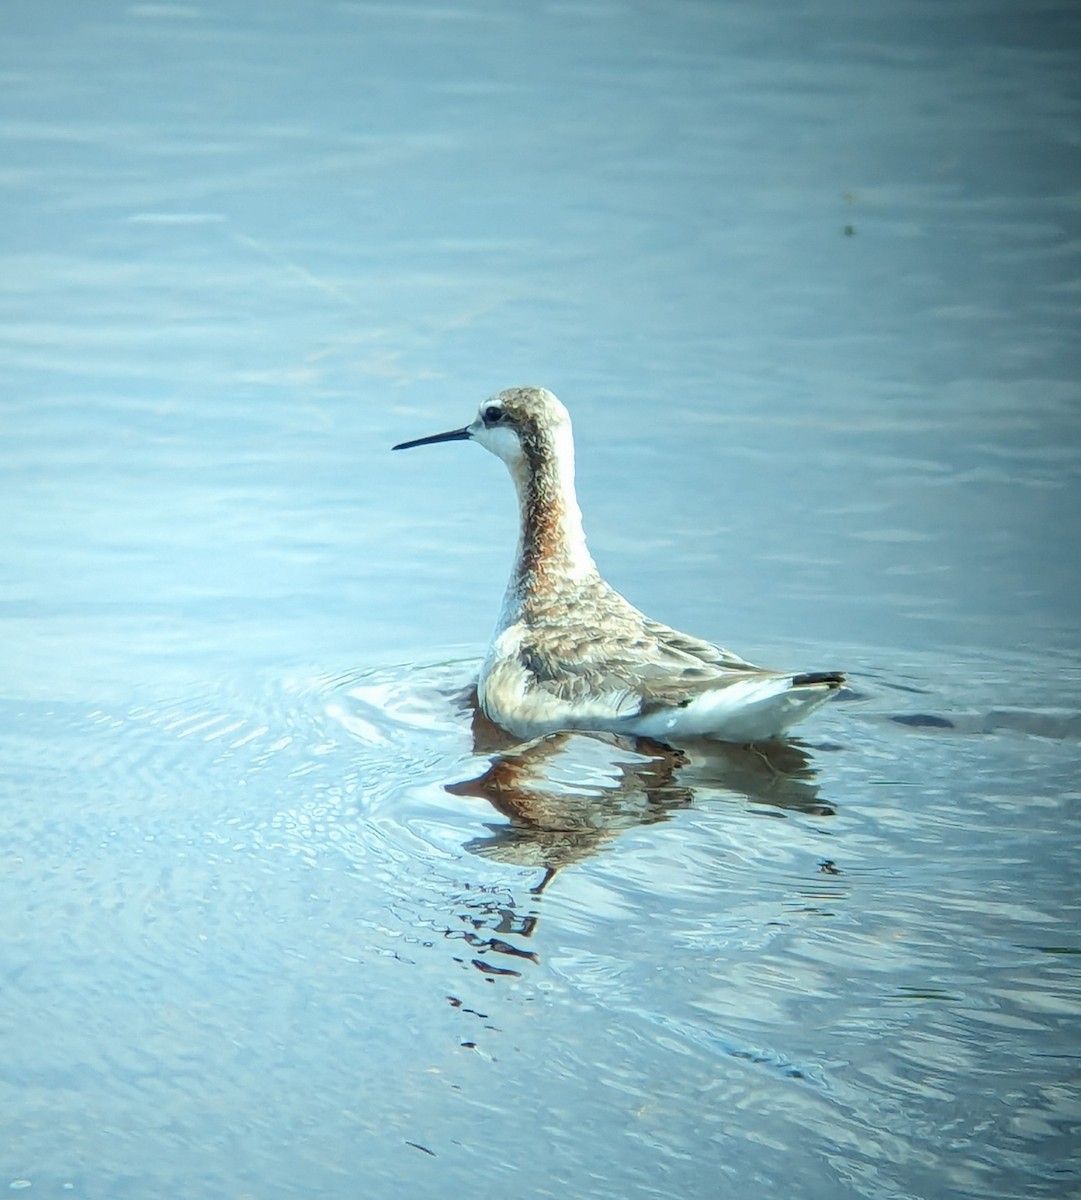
(276, 923)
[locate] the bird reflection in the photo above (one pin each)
(566, 795)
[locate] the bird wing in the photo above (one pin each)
(600, 645)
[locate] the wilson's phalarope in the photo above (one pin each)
(569, 652)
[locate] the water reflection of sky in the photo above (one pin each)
(807, 281)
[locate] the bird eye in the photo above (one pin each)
(492, 415)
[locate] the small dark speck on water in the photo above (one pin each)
(850, 231)
(418, 1146)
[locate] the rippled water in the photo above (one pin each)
(280, 916)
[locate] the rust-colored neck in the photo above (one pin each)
(551, 543)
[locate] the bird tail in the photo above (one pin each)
(756, 707)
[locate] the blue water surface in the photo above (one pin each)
(277, 920)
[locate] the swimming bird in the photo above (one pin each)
(569, 652)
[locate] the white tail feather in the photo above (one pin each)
(756, 709)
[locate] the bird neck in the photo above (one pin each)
(552, 548)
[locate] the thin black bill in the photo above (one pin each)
(455, 435)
